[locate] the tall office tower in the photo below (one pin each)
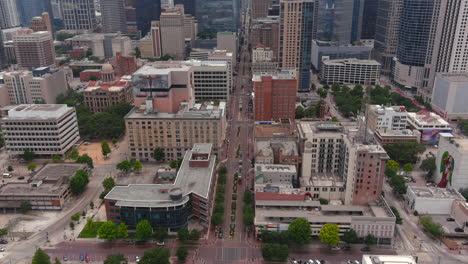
(298, 26)
(386, 33)
(265, 31)
(260, 8)
(3, 60)
(113, 16)
(9, 16)
(369, 19)
(41, 23)
(190, 6)
(32, 8)
(145, 12)
(156, 39)
(34, 49)
(78, 14)
(339, 20)
(172, 34)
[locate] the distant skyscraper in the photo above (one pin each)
(358, 9)
(298, 26)
(369, 19)
(172, 34)
(386, 33)
(32, 8)
(78, 14)
(260, 8)
(145, 12)
(3, 60)
(190, 6)
(33, 49)
(9, 16)
(113, 16)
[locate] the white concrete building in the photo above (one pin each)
(452, 162)
(223, 55)
(350, 71)
(275, 173)
(45, 129)
(430, 125)
(388, 259)
(432, 200)
(386, 118)
(212, 79)
(449, 95)
(261, 54)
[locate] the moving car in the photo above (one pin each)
(366, 249)
(220, 235)
(450, 219)
(160, 243)
(458, 229)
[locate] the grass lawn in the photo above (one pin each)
(91, 228)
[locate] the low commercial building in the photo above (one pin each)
(384, 137)
(386, 117)
(388, 259)
(350, 71)
(335, 51)
(448, 95)
(430, 125)
(45, 129)
(168, 205)
(103, 45)
(452, 162)
(48, 189)
(432, 200)
(271, 173)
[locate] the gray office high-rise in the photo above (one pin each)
(113, 16)
(190, 6)
(32, 8)
(145, 12)
(9, 15)
(3, 60)
(78, 14)
(369, 19)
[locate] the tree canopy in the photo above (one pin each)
(432, 227)
(370, 240)
(405, 152)
(183, 234)
(78, 182)
(158, 154)
(330, 234)
(28, 155)
(115, 259)
(428, 165)
(275, 252)
(160, 234)
(159, 255)
(350, 237)
(105, 149)
(143, 230)
(40, 257)
(182, 254)
(393, 164)
(299, 231)
(85, 159)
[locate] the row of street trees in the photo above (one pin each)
(217, 216)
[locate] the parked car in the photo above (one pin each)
(160, 243)
(465, 243)
(220, 234)
(137, 259)
(3, 241)
(335, 248)
(458, 229)
(81, 257)
(65, 258)
(347, 248)
(2, 249)
(450, 219)
(88, 259)
(366, 249)
(21, 178)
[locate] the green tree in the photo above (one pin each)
(182, 254)
(79, 182)
(299, 231)
(248, 197)
(397, 215)
(183, 234)
(310, 112)
(222, 170)
(124, 166)
(194, 235)
(300, 112)
(159, 255)
(323, 201)
(3, 232)
(114, 141)
(173, 164)
(350, 237)
(408, 168)
(322, 93)
(160, 234)
(398, 184)
(122, 230)
(275, 237)
(137, 52)
(10, 168)
(428, 165)
(137, 167)
(370, 240)
(73, 154)
(108, 231)
(275, 252)
(432, 227)
(334, 119)
(158, 154)
(405, 152)
(32, 166)
(330, 234)
(115, 259)
(216, 219)
(335, 87)
(25, 206)
(464, 192)
(40, 257)
(390, 172)
(57, 261)
(393, 164)
(85, 159)
(108, 184)
(143, 230)
(56, 158)
(28, 155)
(105, 149)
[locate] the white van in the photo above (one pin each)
(7, 175)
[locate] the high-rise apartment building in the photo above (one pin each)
(145, 12)
(386, 33)
(40, 85)
(34, 49)
(41, 23)
(45, 129)
(369, 19)
(190, 6)
(32, 8)
(265, 31)
(9, 16)
(78, 14)
(3, 59)
(275, 96)
(260, 8)
(113, 16)
(298, 26)
(172, 34)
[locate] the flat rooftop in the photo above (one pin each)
(37, 111)
(53, 172)
(343, 62)
(259, 168)
(323, 180)
(265, 147)
(434, 192)
(199, 111)
(161, 68)
(381, 110)
(274, 130)
(113, 87)
(388, 259)
(396, 133)
(189, 180)
(279, 75)
(428, 119)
